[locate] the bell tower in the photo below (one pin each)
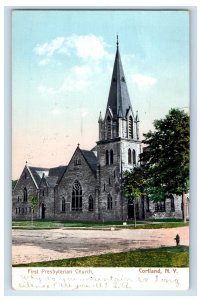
(118, 147)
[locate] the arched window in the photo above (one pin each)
(63, 205)
(107, 157)
(77, 161)
(134, 157)
(130, 127)
(172, 203)
(77, 196)
(25, 194)
(129, 156)
(111, 157)
(160, 206)
(109, 128)
(91, 203)
(109, 202)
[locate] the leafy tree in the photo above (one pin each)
(34, 203)
(166, 157)
(14, 182)
(133, 185)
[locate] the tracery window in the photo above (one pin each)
(77, 196)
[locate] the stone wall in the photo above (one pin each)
(168, 213)
(20, 208)
(87, 179)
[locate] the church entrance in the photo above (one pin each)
(43, 211)
(131, 209)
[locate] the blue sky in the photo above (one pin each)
(61, 70)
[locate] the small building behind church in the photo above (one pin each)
(90, 186)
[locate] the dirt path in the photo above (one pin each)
(44, 245)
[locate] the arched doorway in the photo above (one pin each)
(131, 209)
(43, 211)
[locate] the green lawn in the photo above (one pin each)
(160, 257)
(47, 224)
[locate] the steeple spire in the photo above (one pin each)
(118, 100)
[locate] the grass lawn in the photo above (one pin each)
(160, 257)
(47, 224)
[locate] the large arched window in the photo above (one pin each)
(63, 205)
(109, 128)
(111, 157)
(134, 157)
(130, 127)
(109, 202)
(107, 157)
(77, 196)
(91, 203)
(25, 194)
(129, 156)
(172, 203)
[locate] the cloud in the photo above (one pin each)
(44, 62)
(83, 46)
(78, 78)
(88, 46)
(143, 81)
(48, 49)
(56, 111)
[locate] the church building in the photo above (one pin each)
(90, 186)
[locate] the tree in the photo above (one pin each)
(34, 203)
(166, 156)
(14, 182)
(133, 185)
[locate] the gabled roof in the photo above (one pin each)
(57, 171)
(91, 159)
(36, 173)
(51, 175)
(118, 100)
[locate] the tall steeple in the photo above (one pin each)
(118, 100)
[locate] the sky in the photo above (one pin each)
(62, 65)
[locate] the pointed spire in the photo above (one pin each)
(100, 117)
(137, 118)
(118, 100)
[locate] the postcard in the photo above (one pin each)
(100, 150)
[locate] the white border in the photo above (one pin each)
(35, 4)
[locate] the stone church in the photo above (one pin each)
(89, 187)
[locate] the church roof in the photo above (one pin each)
(57, 171)
(52, 175)
(37, 173)
(91, 159)
(118, 100)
